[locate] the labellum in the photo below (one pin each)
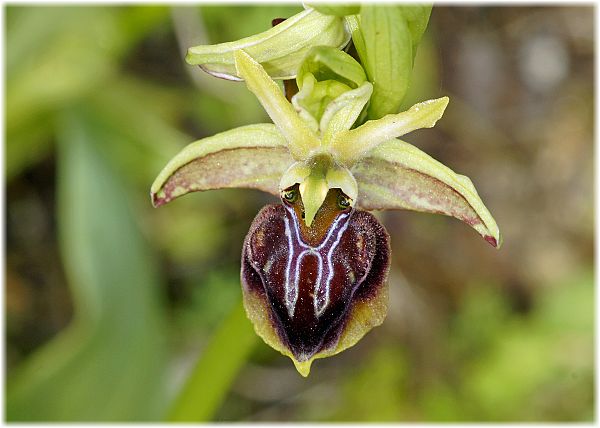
(314, 267)
(313, 291)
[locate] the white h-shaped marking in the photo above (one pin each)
(292, 273)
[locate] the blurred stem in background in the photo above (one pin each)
(216, 369)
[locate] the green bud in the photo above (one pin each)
(336, 9)
(280, 49)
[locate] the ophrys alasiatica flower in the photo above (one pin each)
(314, 267)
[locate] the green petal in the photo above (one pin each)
(280, 49)
(253, 156)
(338, 177)
(343, 112)
(397, 175)
(301, 139)
(349, 147)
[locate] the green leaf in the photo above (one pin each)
(28, 145)
(387, 56)
(336, 9)
(328, 63)
(253, 156)
(397, 175)
(108, 364)
(348, 147)
(280, 49)
(216, 369)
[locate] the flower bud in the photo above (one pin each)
(280, 49)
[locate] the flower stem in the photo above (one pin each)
(216, 369)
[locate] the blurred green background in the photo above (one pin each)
(111, 304)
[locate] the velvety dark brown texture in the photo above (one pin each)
(359, 263)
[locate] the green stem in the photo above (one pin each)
(215, 370)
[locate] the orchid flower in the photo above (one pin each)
(314, 267)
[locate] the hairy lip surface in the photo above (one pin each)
(309, 291)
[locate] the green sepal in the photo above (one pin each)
(417, 18)
(397, 175)
(253, 156)
(301, 139)
(387, 56)
(336, 9)
(280, 49)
